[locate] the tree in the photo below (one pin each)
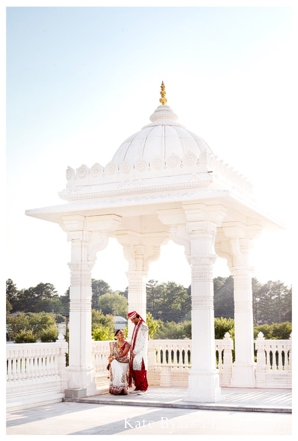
(224, 297)
(8, 308)
(223, 325)
(99, 288)
(99, 319)
(11, 294)
(272, 303)
(173, 330)
(102, 333)
(153, 325)
(274, 331)
(65, 302)
(167, 301)
(30, 324)
(34, 299)
(113, 303)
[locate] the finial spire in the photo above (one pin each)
(163, 99)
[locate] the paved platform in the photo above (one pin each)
(234, 399)
(162, 411)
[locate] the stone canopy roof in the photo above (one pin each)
(163, 163)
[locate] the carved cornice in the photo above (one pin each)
(137, 185)
(196, 212)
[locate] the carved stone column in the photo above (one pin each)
(196, 229)
(237, 248)
(87, 236)
(140, 249)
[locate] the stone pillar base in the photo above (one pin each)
(81, 379)
(203, 387)
(75, 393)
(243, 375)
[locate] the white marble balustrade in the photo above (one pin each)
(35, 373)
(274, 362)
(169, 361)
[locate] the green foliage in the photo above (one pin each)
(11, 294)
(41, 298)
(60, 318)
(153, 325)
(113, 303)
(173, 330)
(102, 333)
(272, 303)
(274, 331)
(99, 288)
(281, 330)
(34, 323)
(168, 309)
(224, 297)
(265, 329)
(65, 302)
(49, 334)
(8, 308)
(101, 320)
(25, 336)
(167, 301)
(223, 325)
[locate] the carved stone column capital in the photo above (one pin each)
(201, 228)
(234, 242)
(180, 236)
(140, 249)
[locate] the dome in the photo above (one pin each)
(160, 140)
(163, 154)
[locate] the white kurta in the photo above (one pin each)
(140, 347)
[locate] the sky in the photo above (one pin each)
(80, 80)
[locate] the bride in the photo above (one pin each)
(118, 365)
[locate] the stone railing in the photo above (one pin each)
(274, 362)
(100, 353)
(169, 362)
(35, 373)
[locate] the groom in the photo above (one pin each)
(138, 354)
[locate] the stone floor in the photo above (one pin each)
(162, 411)
(238, 399)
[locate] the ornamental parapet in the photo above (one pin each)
(173, 172)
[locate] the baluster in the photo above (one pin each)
(38, 366)
(9, 374)
(158, 356)
(24, 368)
(34, 366)
(280, 362)
(14, 369)
(273, 362)
(29, 367)
(54, 364)
(18, 366)
(46, 365)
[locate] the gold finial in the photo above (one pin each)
(163, 99)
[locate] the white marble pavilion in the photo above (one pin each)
(162, 183)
